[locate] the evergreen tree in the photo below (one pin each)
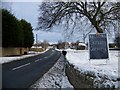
(15, 33)
(11, 30)
(28, 34)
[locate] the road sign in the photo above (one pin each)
(98, 46)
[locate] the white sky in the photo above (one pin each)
(29, 12)
(55, 0)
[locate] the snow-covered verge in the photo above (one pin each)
(12, 58)
(54, 78)
(103, 75)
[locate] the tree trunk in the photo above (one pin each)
(96, 25)
(99, 30)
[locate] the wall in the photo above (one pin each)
(0, 51)
(36, 49)
(86, 80)
(77, 80)
(13, 51)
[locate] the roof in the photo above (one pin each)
(82, 44)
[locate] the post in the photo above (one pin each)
(36, 40)
(84, 38)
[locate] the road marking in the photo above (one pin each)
(53, 50)
(37, 60)
(45, 57)
(51, 54)
(21, 66)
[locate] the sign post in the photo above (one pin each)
(98, 46)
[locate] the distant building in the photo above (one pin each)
(112, 45)
(72, 45)
(81, 46)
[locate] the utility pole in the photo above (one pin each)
(36, 40)
(84, 38)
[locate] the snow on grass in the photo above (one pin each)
(12, 58)
(54, 78)
(80, 59)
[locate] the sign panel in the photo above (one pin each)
(98, 46)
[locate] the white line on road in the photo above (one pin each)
(21, 66)
(53, 50)
(45, 57)
(37, 60)
(51, 54)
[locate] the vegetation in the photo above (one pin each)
(100, 14)
(14, 33)
(27, 32)
(11, 31)
(117, 41)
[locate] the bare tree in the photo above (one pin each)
(116, 11)
(116, 14)
(44, 44)
(99, 14)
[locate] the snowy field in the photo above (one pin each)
(12, 58)
(80, 59)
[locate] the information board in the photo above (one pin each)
(98, 46)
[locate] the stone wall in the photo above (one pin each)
(86, 80)
(12, 51)
(78, 80)
(37, 49)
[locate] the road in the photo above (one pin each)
(24, 73)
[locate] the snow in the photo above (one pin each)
(12, 58)
(82, 44)
(54, 78)
(80, 59)
(36, 47)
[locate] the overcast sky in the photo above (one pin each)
(29, 12)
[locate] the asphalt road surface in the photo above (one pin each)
(23, 73)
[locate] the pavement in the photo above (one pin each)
(25, 72)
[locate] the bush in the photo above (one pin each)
(15, 33)
(117, 41)
(11, 31)
(28, 34)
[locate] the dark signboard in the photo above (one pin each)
(98, 46)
